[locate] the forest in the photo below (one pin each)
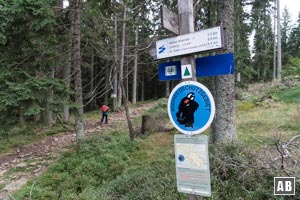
(60, 59)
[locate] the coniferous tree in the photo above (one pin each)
(294, 40)
(242, 31)
(285, 30)
(263, 39)
(29, 41)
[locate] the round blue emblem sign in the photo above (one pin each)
(191, 107)
(181, 158)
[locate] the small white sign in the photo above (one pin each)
(170, 70)
(186, 71)
(200, 41)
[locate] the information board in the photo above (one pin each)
(192, 164)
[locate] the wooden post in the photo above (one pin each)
(186, 25)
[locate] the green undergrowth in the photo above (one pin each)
(107, 167)
(112, 167)
(291, 95)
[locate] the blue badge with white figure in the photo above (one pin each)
(191, 107)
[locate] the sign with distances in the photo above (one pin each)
(200, 41)
(191, 107)
(192, 164)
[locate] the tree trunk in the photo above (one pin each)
(223, 128)
(167, 89)
(274, 49)
(122, 58)
(79, 126)
(49, 113)
(92, 77)
(143, 87)
(67, 70)
(146, 124)
(115, 71)
(131, 133)
(106, 85)
(278, 42)
(135, 67)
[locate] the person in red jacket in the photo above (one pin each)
(104, 109)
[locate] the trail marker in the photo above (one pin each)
(186, 71)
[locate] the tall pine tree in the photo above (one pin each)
(263, 39)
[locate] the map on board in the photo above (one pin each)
(194, 156)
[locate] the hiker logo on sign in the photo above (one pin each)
(191, 107)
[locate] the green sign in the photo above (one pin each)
(192, 164)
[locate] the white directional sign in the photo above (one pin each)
(200, 41)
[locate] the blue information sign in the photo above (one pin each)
(221, 64)
(169, 71)
(191, 107)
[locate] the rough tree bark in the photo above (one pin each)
(67, 69)
(223, 128)
(92, 78)
(131, 133)
(122, 58)
(76, 58)
(115, 71)
(135, 67)
(49, 113)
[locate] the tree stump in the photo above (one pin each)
(147, 122)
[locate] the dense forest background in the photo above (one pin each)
(54, 59)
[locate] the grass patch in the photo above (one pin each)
(289, 95)
(260, 125)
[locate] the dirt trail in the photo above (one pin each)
(32, 160)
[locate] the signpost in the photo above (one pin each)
(191, 107)
(201, 41)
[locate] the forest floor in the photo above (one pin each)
(27, 162)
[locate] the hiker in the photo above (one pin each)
(104, 109)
